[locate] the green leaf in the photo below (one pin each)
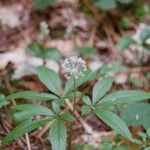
(50, 79)
(101, 88)
(37, 109)
(23, 115)
(145, 34)
(53, 53)
(58, 135)
(143, 136)
(60, 101)
(32, 95)
(121, 147)
(22, 128)
(136, 82)
(36, 50)
(124, 96)
(86, 100)
(89, 75)
(42, 4)
(71, 95)
(87, 147)
(148, 131)
(103, 70)
(114, 122)
(67, 117)
(85, 109)
(148, 75)
(125, 1)
(136, 141)
(124, 23)
(106, 4)
(3, 100)
(86, 51)
(118, 66)
(106, 145)
(136, 115)
(147, 148)
(2, 97)
(56, 107)
(79, 146)
(142, 10)
(110, 4)
(124, 43)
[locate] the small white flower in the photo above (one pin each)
(73, 67)
(44, 31)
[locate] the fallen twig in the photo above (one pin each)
(139, 69)
(44, 130)
(28, 141)
(91, 135)
(87, 128)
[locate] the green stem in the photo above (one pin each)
(71, 125)
(44, 61)
(74, 100)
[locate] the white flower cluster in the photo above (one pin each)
(44, 28)
(44, 31)
(73, 67)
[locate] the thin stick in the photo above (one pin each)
(90, 133)
(28, 141)
(87, 128)
(44, 130)
(98, 16)
(139, 69)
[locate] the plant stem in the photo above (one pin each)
(44, 62)
(74, 100)
(9, 88)
(71, 125)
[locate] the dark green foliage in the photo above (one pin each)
(42, 4)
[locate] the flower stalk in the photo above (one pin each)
(73, 68)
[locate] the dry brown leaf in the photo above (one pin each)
(13, 16)
(66, 47)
